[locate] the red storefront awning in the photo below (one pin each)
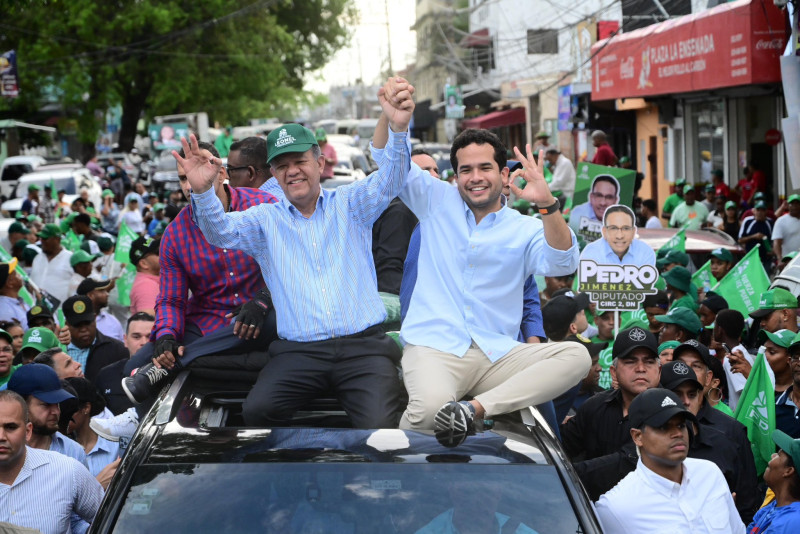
(496, 119)
(476, 38)
(733, 44)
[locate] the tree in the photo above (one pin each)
(167, 56)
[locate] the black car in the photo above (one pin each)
(193, 467)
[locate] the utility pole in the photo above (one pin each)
(388, 36)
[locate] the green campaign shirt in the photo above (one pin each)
(689, 217)
(672, 202)
(685, 301)
(4, 379)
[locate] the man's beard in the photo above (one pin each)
(43, 430)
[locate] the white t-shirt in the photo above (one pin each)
(736, 381)
(653, 222)
(53, 276)
(787, 228)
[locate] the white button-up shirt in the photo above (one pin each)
(646, 502)
(53, 275)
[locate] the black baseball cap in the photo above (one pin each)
(78, 309)
(654, 407)
(39, 309)
(560, 311)
(634, 338)
(675, 373)
(90, 284)
(692, 345)
(141, 247)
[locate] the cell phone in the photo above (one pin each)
(727, 348)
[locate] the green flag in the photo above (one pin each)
(756, 411)
(703, 277)
(71, 241)
(53, 192)
(678, 242)
(743, 285)
(124, 239)
(124, 284)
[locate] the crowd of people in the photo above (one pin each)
(256, 256)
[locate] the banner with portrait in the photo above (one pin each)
(596, 188)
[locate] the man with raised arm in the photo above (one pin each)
(460, 331)
(314, 250)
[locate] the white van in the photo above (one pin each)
(13, 167)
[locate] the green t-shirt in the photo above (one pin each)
(4, 379)
(685, 301)
(672, 202)
(689, 217)
(721, 406)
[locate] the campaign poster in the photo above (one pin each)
(168, 136)
(454, 102)
(9, 79)
(596, 188)
(618, 270)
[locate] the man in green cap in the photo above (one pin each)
(679, 286)
(542, 142)
(335, 313)
(328, 152)
(51, 270)
(674, 200)
(690, 214)
(31, 203)
(109, 212)
(224, 141)
(757, 230)
(786, 411)
(721, 262)
(786, 232)
(679, 324)
(37, 340)
(673, 258)
(777, 310)
(17, 231)
(782, 476)
(81, 262)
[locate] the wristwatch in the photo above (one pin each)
(549, 210)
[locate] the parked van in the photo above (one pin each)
(71, 180)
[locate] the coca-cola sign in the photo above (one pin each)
(771, 44)
(732, 44)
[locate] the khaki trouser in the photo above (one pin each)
(530, 374)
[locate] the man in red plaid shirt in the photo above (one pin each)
(220, 281)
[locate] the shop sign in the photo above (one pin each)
(773, 137)
(733, 44)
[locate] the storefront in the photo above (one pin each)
(706, 90)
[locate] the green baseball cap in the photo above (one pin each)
(104, 243)
(34, 218)
(782, 338)
(18, 228)
(774, 299)
(675, 256)
(759, 196)
(108, 193)
(788, 256)
(788, 445)
(624, 159)
(722, 254)
(730, 204)
(289, 138)
(760, 205)
(684, 318)
(39, 338)
(50, 230)
(795, 344)
(687, 188)
(33, 187)
(679, 278)
(680, 182)
(542, 134)
(793, 197)
(20, 216)
(6, 336)
(321, 135)
(81, 256)
(158, 206)
(668, 345)
(710, 187)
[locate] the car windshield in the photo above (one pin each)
(344, 496)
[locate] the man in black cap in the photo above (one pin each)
(97, 291)
(564, 315)
(601, 426)
(667, 490)
(655, 306)
(144, 290)
(41, 315)
(90, 348)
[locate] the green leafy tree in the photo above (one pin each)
(158, 57)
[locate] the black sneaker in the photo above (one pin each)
(453, 423)
(144, 383)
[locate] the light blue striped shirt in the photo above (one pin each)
(68, 447)
(319, 270)
(103, 453)
(470, 278)
(272, 187)
(49, 488)
(639, 253)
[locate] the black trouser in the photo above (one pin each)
(360, 370)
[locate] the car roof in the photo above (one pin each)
(16, 160)
(697, 241)
(57, 172)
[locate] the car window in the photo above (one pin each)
(13, 172)
(345, 496)
(67, 183)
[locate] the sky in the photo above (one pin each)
(367, 54)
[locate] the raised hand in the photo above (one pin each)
(200, 166)
(396, 100)
(536, 191)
